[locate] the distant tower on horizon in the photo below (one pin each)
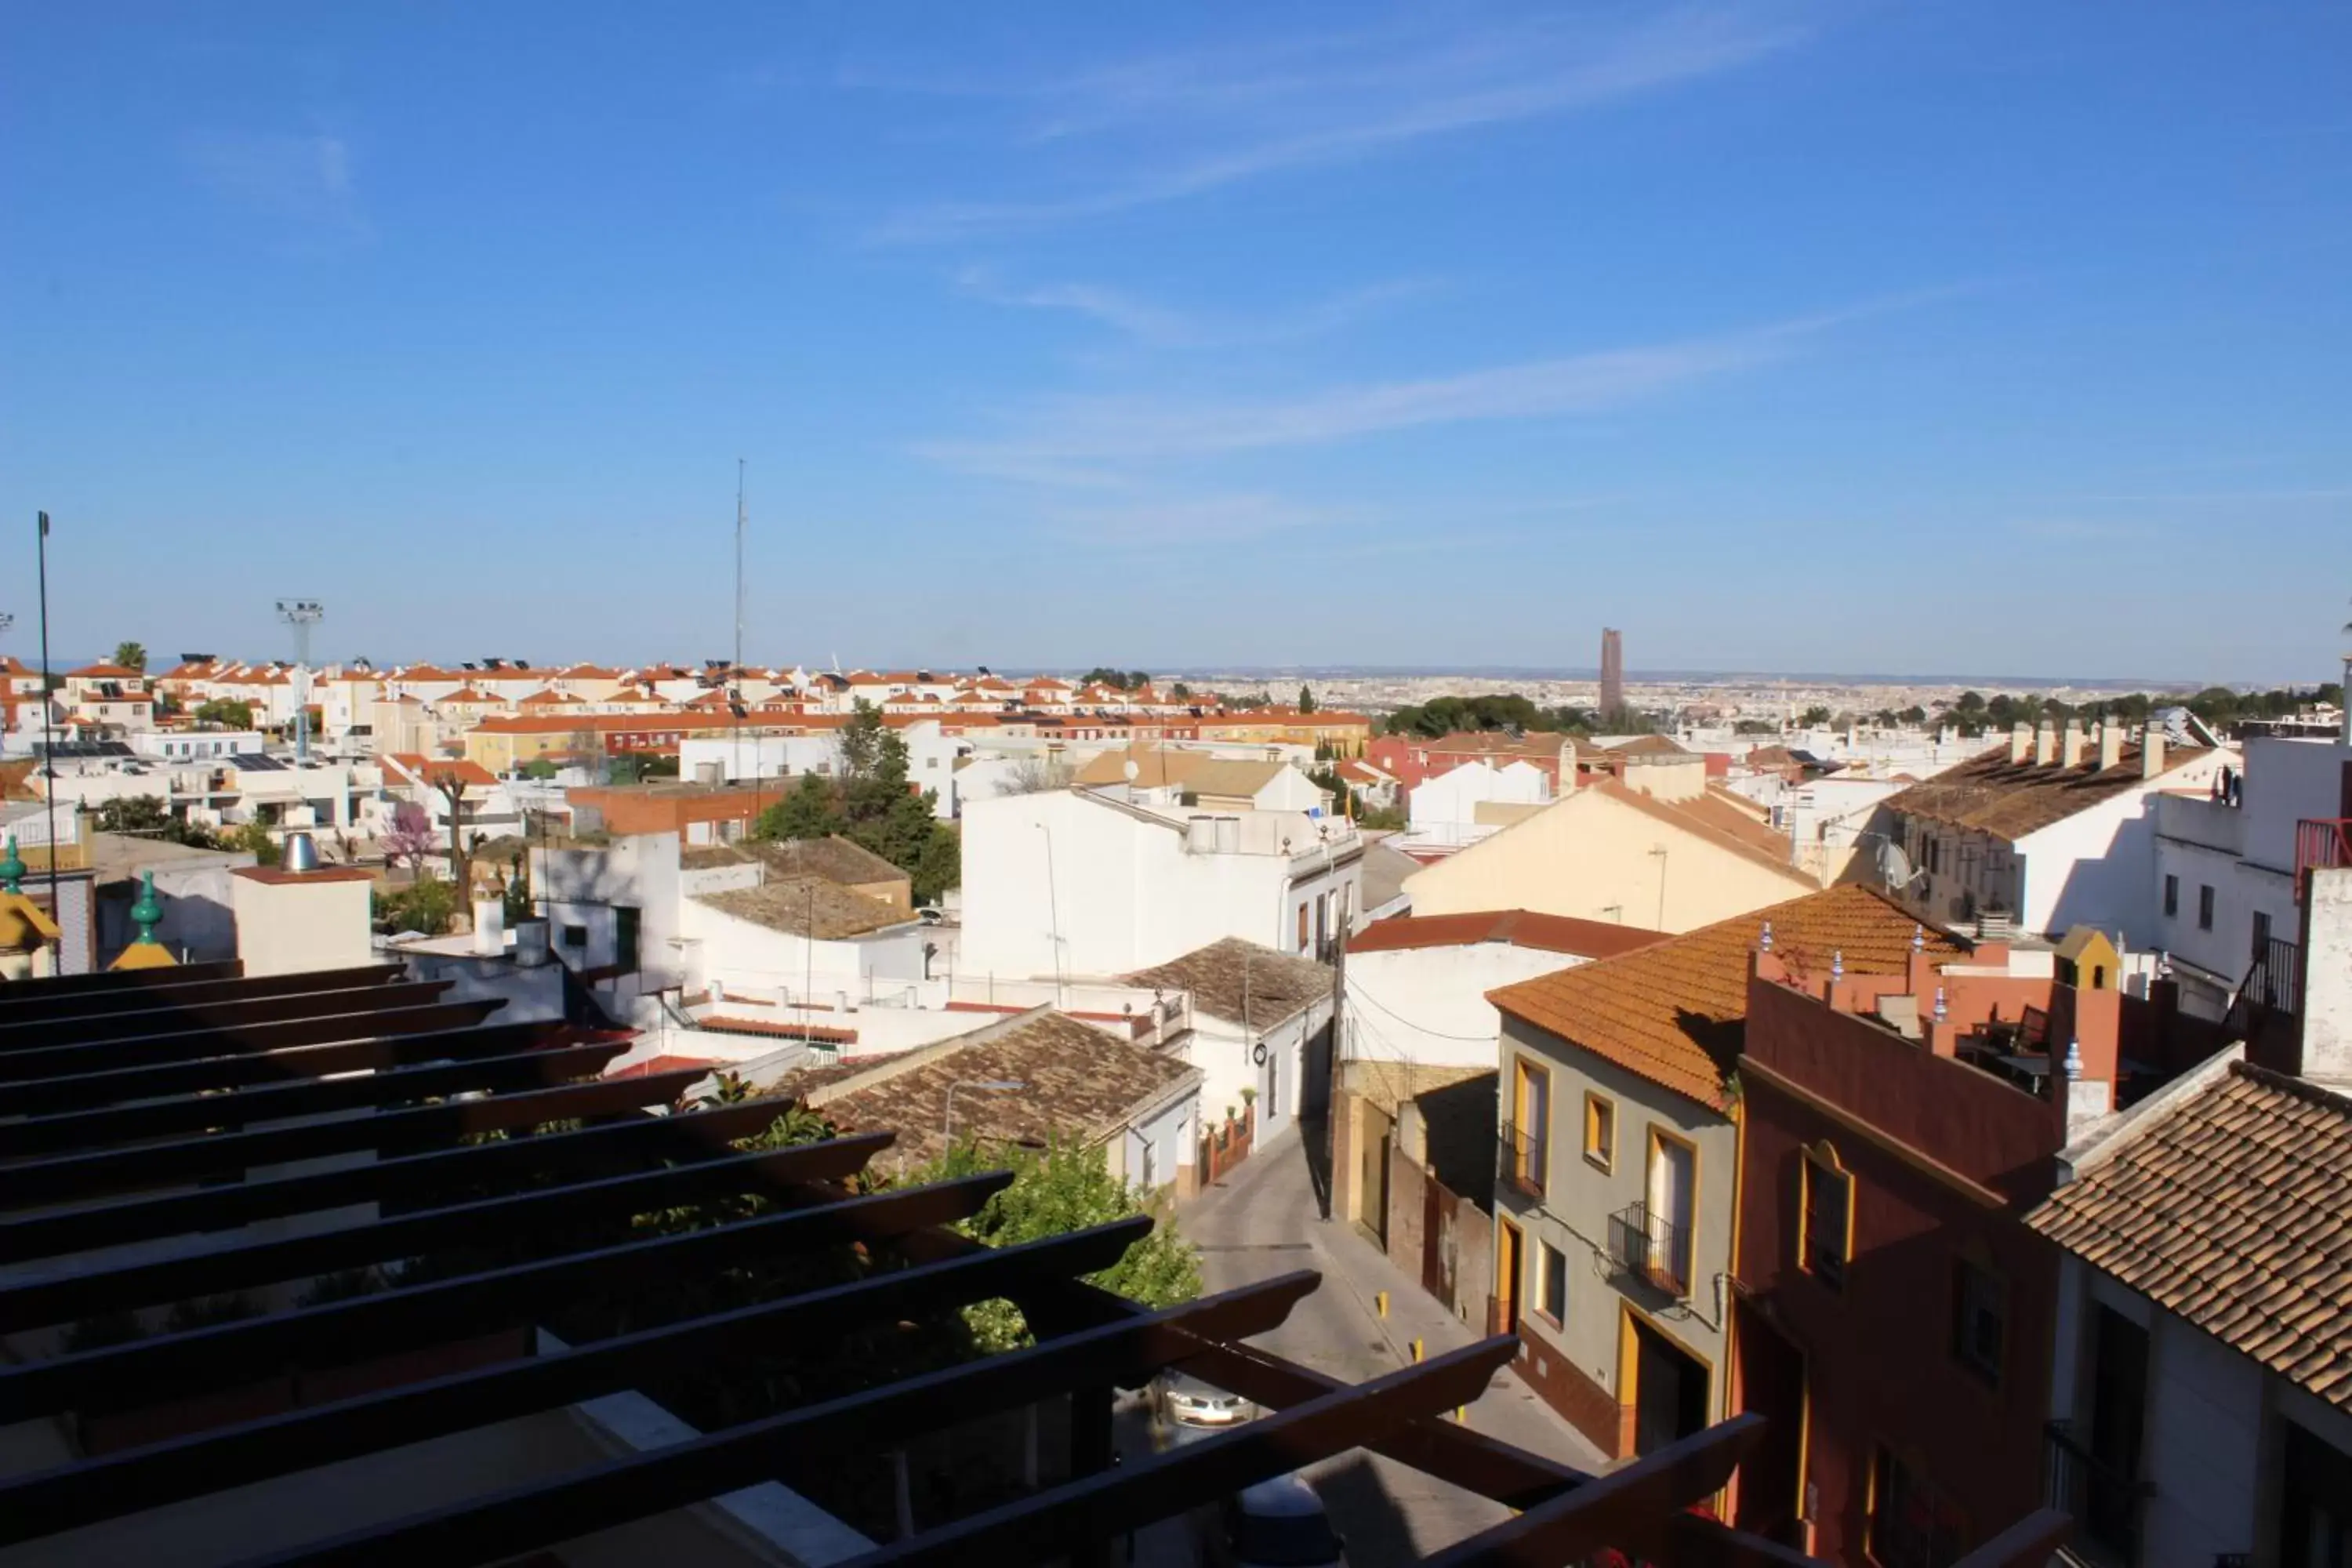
(1612, 670)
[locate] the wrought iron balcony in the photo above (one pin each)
(1522, 1159)
(2105, 1502)
(1652, 1248)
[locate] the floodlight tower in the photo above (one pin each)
(302, 615)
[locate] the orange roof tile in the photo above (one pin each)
(2010, 800)
(1518, 928)
(426, 769)
(1713, 820)
(1676, 1012)
(2230, 1208)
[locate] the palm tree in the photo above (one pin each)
(131, 656)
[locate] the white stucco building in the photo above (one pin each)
(2223, 891)
(2048, 832)
(1084, 883)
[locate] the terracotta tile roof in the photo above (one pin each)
(2232, 1209)
(468, 694)
(835, 858)
(1676, 1012)
(805, 906)
(652, 1064)
(102, 670)
(1712, 819)
(2010, 800)
(1278, 986)
(1156, 767)
(1079, 1082)
(728, 1024)
(1518, 928)
(546, 697)
(1648, 746)
(425, 769)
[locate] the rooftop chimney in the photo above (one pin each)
(2021, 742)
(2075, 743)
(2152, 749)
(2111, 744)
(2326, 1023)
(2045, 744)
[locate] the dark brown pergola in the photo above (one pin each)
(119, 1091)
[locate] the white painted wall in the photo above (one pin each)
(1452, 799)
(1070, 879)
(743, 954)
(1226, 1054)
(1150, 1152)
(2096, 867)
(1428, 1005)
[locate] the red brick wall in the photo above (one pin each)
(1584, 1404)
(1880, 1366)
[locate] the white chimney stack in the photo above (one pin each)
(2111, 744)
(2077, 742)
(490, 922)
(2020, 744)
(2327, 1022)
(2152, 749)
(2045, 744)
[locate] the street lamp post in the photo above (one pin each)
(985, 1085)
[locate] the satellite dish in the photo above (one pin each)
(1895, 866)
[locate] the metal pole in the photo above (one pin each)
(1054, 912)
(50, 747)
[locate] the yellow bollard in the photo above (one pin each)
(1416, 1351)
(1380, 1302)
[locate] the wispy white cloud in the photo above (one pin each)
(1201, 122)
(1162, 521)
(1160, 327)
(305, 182)
(1088, 439)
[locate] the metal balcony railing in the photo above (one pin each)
(1652, 1248)
(2321, 844)
(2106, 1503)
(1521, 1157)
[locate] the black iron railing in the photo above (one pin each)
(1520, 1160)
(2103, 1500)
(1652, 1248)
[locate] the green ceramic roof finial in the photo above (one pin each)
(148, 912)
(11, 869)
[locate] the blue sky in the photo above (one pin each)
(1921, 336)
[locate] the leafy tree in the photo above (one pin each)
(1915, 714)
(1055, 1191)
(1180, 691)
(255, 837)
(1117, 679)
(539, 768)
(409, 838)
(131, 656)
(1814, 717)
(807, 811)
(146, 816)
(228, 714)
(429, 905)
(1306, 700)
(518, 901)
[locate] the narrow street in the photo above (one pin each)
(1263, 1220)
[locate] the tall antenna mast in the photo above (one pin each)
(739, 578)
(740, 715)
(302, 615)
